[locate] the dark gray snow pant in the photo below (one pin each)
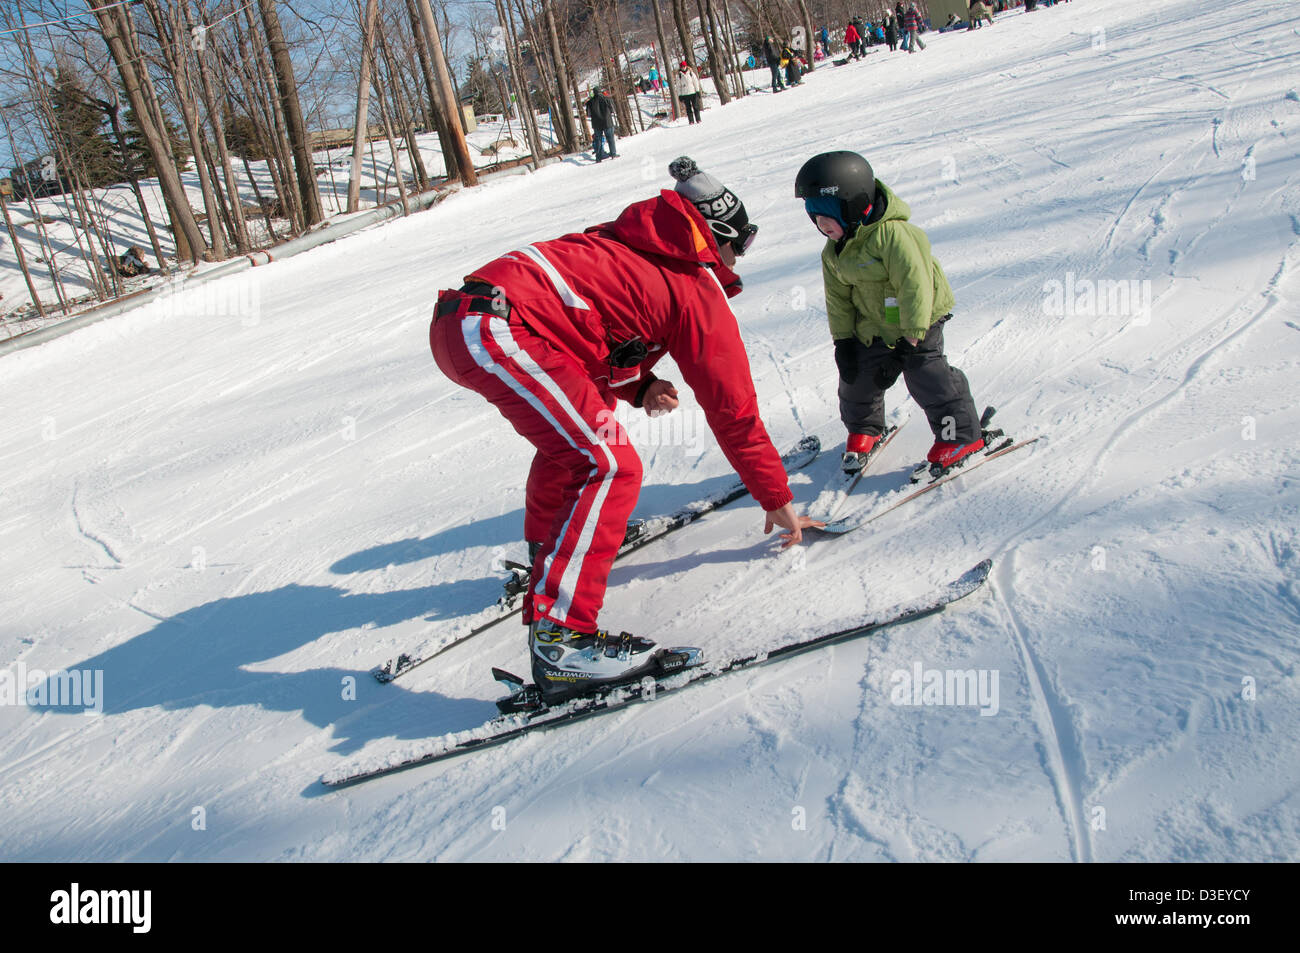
(942, 391)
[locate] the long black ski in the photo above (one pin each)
(508, 727)
(646, 531)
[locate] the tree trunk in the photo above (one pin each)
(446, 95)
(720, 82)
(240, 225)
(684, 32)
(361, 128)
(571, 77)
(168, 39)
(400, 117)
(666, 71)
(522, 99)
(810, 42)
(260, 81)
(388, 134)
(625, 94)
(542, 62)
(442, 120)
(568, 130)
(733, 53)
(288, 88)
(132, 176)
(248, 169)
(22, 257)
(189, 240)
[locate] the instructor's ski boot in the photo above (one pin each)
(568, 663)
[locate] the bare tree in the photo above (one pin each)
(116, 30)
(288, 88)
(445, 93)
(666, 71)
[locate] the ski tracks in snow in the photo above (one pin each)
(1062, 748)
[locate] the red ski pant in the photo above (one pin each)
(585, 477)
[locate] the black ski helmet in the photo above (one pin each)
(838, 175)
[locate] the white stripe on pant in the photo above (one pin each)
(499, 331)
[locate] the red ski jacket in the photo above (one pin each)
(652, 274)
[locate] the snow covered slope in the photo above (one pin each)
(233, 507)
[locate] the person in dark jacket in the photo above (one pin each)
(891, 32)
(792, 71)
(900, 18)
(772, 54)
(601, 113)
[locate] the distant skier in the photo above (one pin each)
(853, 40)
(601, 112)
(979, 12)
(790, 60)
(887, 300)
(689, 91)
(553, 334)
(772, 54)
(912, 23)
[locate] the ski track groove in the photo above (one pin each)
(1063, 760)
(837, 816)
(91, 537)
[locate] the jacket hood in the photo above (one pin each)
(670, 226)
(896, 210)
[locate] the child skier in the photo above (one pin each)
(887, 300)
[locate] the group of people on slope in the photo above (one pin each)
(905, 24)
(782, 57)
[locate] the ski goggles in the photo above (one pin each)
(743, 240)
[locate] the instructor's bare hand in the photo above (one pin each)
(660, 398)
(786, 518)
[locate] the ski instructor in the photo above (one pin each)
(553, 334)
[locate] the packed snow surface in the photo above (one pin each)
(228, 508)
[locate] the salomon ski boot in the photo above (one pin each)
(568, 663)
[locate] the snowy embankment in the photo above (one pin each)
(233, 514)
(117, 207)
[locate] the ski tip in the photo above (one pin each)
(809, 444)
(837, 527)
(978, 573)
(513, 682)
